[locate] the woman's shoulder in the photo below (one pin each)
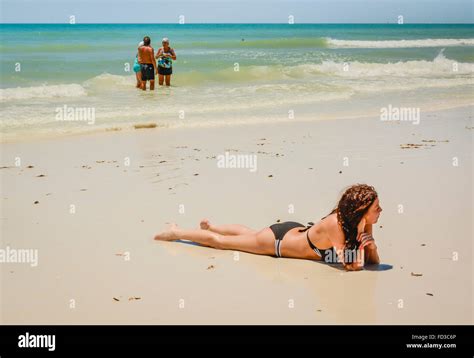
(332, 227)
(329, 219)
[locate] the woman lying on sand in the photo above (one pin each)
(344, 235)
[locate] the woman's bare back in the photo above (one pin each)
(324, 234)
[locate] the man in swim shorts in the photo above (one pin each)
(146, 59)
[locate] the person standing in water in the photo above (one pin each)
(146, 59)
(165, 56)
(137, 68)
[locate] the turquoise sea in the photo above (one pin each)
(228, 74)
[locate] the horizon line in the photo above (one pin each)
(237, 23)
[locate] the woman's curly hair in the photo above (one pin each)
(352, 206)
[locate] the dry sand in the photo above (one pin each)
(101, 247)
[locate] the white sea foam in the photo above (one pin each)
(268, 90)
(20, 93)
(439, 67)
(398, 43)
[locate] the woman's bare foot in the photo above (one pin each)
(205, 224)
(168, 235)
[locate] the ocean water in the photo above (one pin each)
(227, 74)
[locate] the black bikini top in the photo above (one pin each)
(320, 252)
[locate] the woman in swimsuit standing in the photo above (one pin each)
(137, 68)
(344, 235)
(165, 57)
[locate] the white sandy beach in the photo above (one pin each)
(104, 248)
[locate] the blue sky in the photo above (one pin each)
(237, 11)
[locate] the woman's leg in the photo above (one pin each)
(161, 78)
(139, 79)
(262, 242)
(228, 229)
(168, 80)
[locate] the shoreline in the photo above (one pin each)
(129, 128)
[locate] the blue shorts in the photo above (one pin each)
(136, 66)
